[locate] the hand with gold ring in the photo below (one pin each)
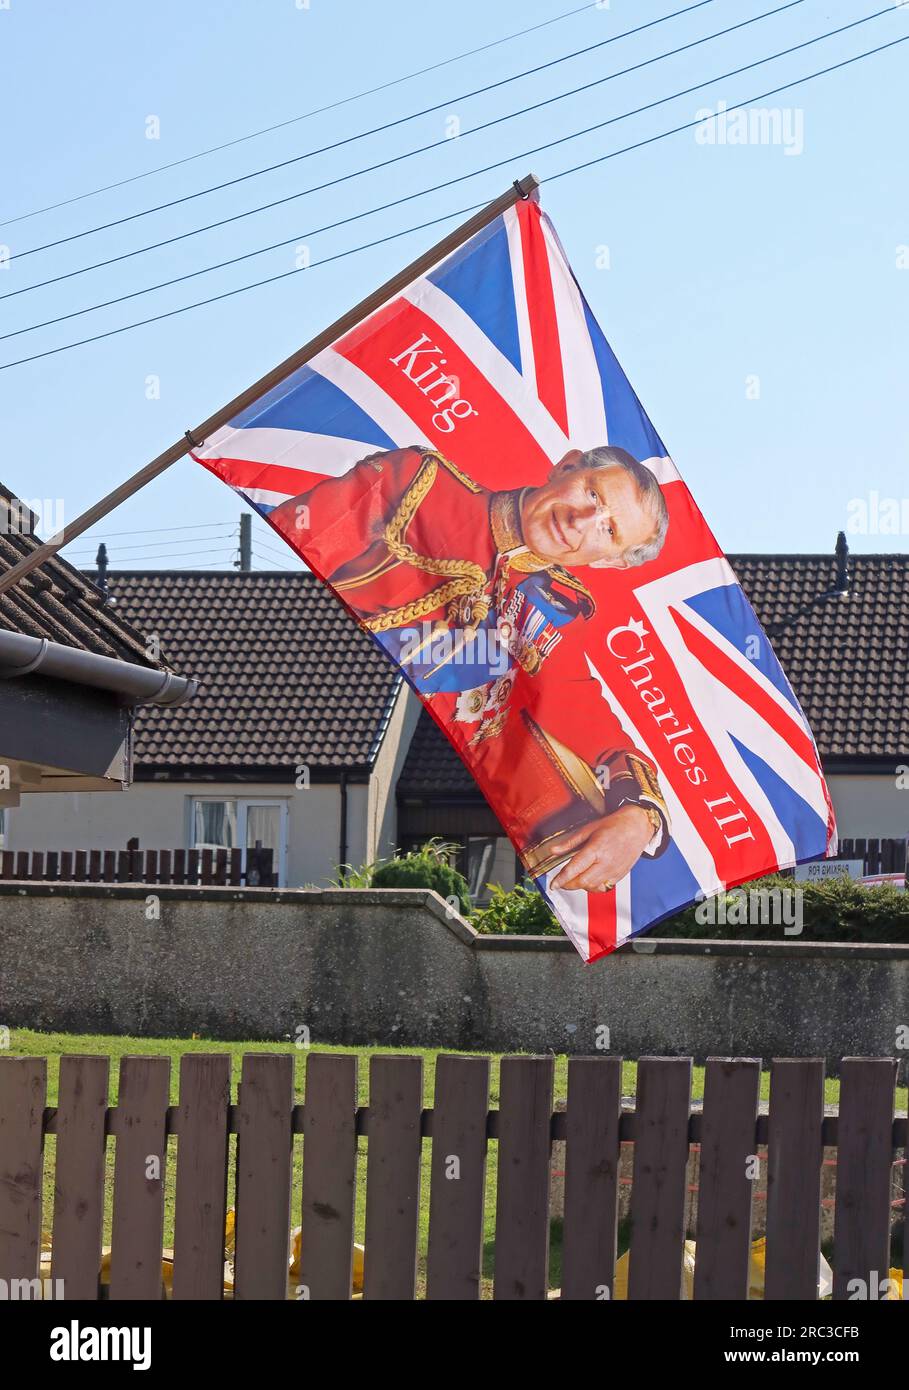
(603, 851)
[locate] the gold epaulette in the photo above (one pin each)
(453, 469)
(571, 581)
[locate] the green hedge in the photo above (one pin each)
(836, 910)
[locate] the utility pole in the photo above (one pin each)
(244, 564)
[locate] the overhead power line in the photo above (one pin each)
(155, 545)
(398, 202)
(373, 130)
(241, 289)
(154, 530)
(212, 565)
(551, 178)
(271, 550)
(266, 560)
(392, 159)
(189, 555)
(305, 116)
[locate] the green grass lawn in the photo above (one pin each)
(26, 1043)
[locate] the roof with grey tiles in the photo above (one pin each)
(286, 676)
(58, 602)
(846, 656)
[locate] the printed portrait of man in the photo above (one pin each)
(471, 592)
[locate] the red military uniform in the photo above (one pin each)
(392, 535)
(410, 543)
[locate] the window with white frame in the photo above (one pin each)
(240, 823)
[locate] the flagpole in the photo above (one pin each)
(520, 189)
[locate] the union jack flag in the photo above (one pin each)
(494, 361)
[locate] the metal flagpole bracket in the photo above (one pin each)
(521, 188)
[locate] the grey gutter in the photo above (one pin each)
(21, 655)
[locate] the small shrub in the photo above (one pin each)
(350, 876)
(519, 912)
(426, 867)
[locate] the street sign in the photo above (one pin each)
(829, 868)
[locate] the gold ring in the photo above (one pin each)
(607, 886)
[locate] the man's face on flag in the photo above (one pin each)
(585, 516)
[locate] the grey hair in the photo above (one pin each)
(606, 456)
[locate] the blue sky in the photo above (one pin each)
(756, 297)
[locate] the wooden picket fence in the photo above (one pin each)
(879, 856)
(224, 867)
(460, 1127)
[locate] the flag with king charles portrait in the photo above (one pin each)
(471, 474)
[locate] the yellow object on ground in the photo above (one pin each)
(619, 1289)
(755, 1279)
(359, 1252)
(230, 1231)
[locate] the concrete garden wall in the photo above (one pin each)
(395, 967)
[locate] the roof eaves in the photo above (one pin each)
(385, 720)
